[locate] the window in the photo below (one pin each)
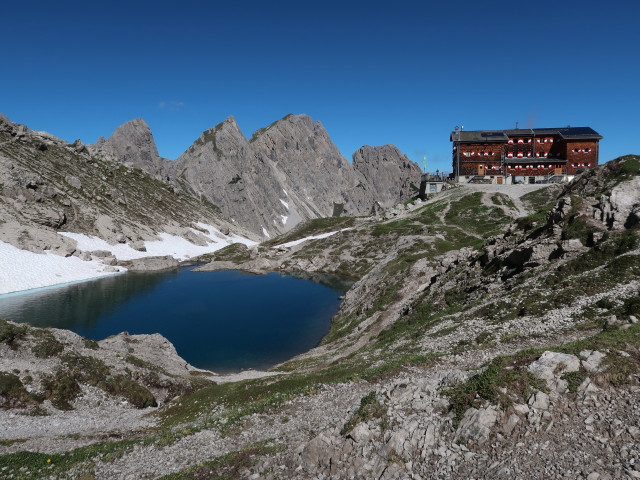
(467, 154)
(587, 150)
(520, 141)
(538, 140)
(575, 150)
(510, 142)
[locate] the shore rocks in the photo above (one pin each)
(149, 264)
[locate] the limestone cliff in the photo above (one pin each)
(319, 179)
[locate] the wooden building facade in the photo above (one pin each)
(523, 155)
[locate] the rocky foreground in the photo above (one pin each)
(490, 334)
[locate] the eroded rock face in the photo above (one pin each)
(392, 175)
(221, 166)
(621, 208)
(314, 172)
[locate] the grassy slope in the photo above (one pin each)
(112, 189)
(465, 223)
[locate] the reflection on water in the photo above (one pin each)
(224, 321)
(79, 306)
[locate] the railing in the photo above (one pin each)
(434, 177)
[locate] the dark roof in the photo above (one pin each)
(482, 136)
(479, 136)
(519, 132)
(578, 132)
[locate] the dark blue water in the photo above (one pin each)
(223, 321)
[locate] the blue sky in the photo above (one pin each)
(372, 72)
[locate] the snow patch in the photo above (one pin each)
(284, 219)
(173, 245)
(312, 237)
(286, 204)
(24, 270)
(265, 233)
(285, 192)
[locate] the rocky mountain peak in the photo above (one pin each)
(132, 143)
(393, 176)
(290, 171)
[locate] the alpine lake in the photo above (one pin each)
(223, 321)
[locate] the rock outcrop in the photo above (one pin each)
(390, 173)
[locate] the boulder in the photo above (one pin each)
(592, 360)
(44, 215)
(550, 367)
(539, 401)
(196, 238)
(476, 425)
(74, 181)
(573, 245)
(100, 253)
(361, 433)
(109, 260)
(21, 131)
(79, 147)
(138, 245)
